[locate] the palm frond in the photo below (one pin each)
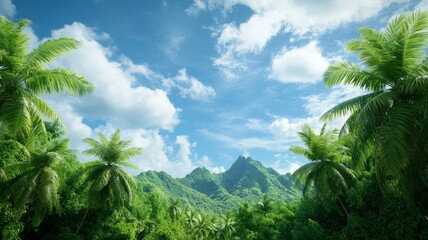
(127, 164)
(302, 173)
(58, 80)
(49, 50)
(302, 152)
(416, 38)
(348, 106)
(348, 73)
(102, 179)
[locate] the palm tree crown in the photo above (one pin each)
(328, 175)
(38, 183)
(23, 77)
(111, 185)
(393, 115)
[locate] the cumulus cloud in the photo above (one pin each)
(158, 156)
(184, 163)
(139, 69)
(283, 166)
(120, 101)
(115, 99)
(208, 164)
(250, 36)
(189, 86)
(76, 129)
(299, 65)
(284, 128)
(270, 17)
(7, 8)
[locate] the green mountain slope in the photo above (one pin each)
(246, 181)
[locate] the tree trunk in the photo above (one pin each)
(83, 220)
(344, 209)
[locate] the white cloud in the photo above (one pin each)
(284, 128)
(140, 69)
(33, 39)
(115, 99)
(208, 164)
(283, 166)
(281, 132)
(183, 162)
(250, 36)
(317, 105)
(196, 7)
(76, 129)
(270, 17)
(423, 5)
(120, 101)
(189, 86)
(7, 8)
(299, 65)
(292, 167)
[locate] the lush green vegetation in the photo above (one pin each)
(245, 181)
(367, 181)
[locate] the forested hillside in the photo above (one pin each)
(246, 181)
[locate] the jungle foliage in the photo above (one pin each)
(367, 180)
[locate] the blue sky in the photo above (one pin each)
(200, 82)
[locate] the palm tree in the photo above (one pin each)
(264, 206)
(328, 175)
(174, 209)
(23, 77)
(227, 225)
(110, 185)
(190, 218)
(37, 185)
(202, 227)
(393, 115)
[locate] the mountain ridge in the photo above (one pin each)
(247, 180)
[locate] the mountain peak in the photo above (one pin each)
(246, 180)
(245, 162)
(200, 171)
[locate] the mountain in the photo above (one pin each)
(247, 180)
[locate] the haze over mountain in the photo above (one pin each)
(247, 180)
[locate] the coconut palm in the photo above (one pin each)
(23, 77)
(190, 218)
(174, 209)
(264, 206)
(326, 173)
(37, 185)
(227, 225)
(110, 185)
(393, 114)
(202, 227)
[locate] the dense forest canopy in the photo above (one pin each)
(367, 180)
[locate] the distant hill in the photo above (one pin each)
(247, 180)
